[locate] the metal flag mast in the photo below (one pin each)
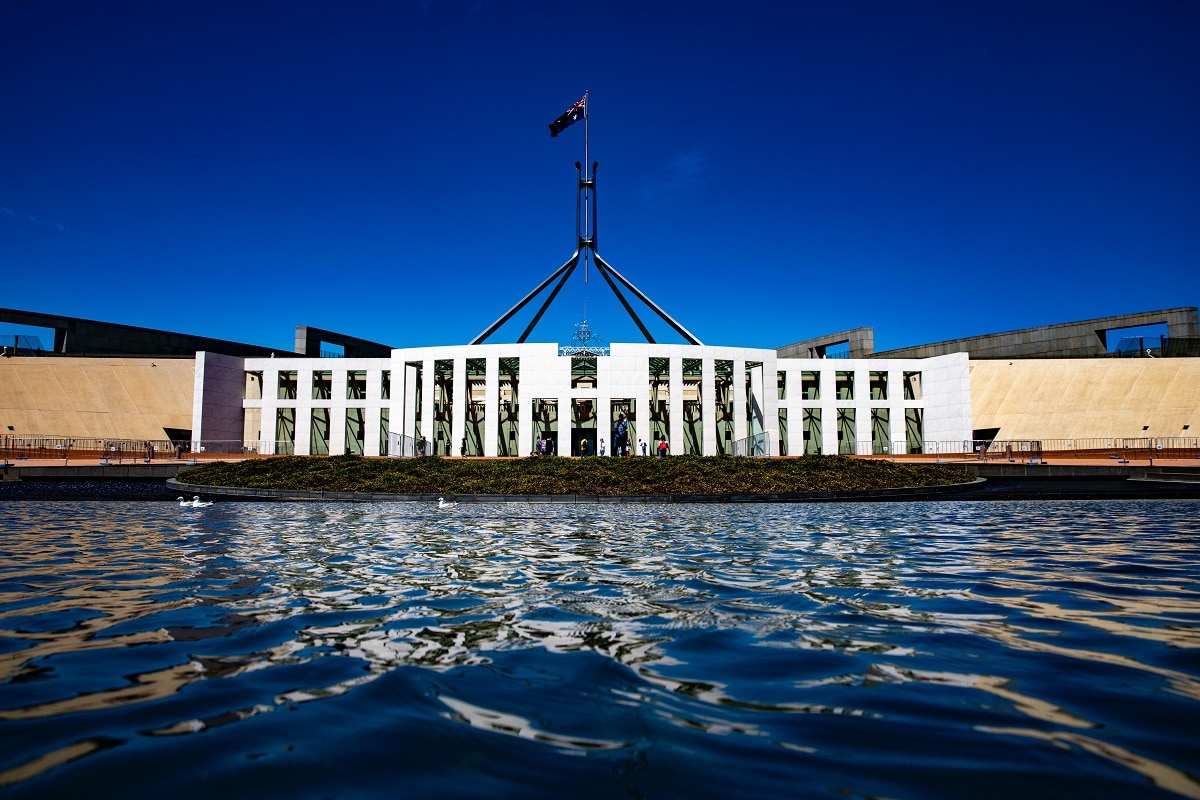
(586, 228)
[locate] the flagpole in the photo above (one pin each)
(586, 185)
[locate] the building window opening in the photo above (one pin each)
(356, 385)
(443, 405)
(847, 445)
(318, 440)
(254, 386)
(693, 407)
(881, 430)
(509, 384)
(624, 411)
(287, 385)
(812, 431)
(844, 383)
(285, 431)
(879, 386)
(356, 430)
(322, 385)
(912, 386)
(583, 427)
(914, 432)
(810, 385)
(723, 405)
(660, 399)
(476, 418)
(545, 426)
(583, 373)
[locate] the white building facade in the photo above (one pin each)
(501, 399)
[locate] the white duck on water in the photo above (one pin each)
(195, 502)
(442, 504)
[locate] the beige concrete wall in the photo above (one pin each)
(129, 398)
(1087, 398)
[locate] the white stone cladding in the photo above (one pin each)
(624, 373)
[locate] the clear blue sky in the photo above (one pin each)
(768, 171)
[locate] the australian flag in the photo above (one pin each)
(569, 117)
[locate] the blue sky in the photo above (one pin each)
(768, 172)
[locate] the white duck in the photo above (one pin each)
(442, 504)
(195, 502)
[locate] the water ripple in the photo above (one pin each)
(872, 650)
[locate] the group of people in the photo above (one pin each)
(621, 445)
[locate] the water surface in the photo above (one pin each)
(902, 650)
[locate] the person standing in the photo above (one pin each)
(643, 445)
(462, 449)
(662, 448)
(621, 435)
(601, 447)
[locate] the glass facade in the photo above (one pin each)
(879, 386)
(356, 431)
(845, 385)
(318, 440)
(912, 386)
(847, 443)
(287, 385)
(285, 431)
(810, 385)
(783, 432)
(914, 433)
(356, 385)
(812, 431)
(322, 385)
(881, 431)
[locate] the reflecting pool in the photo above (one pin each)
(898, 650)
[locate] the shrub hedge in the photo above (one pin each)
(570, 476)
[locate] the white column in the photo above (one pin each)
(491, 410)
(427, 392)
(675, 406)
(708, 406)
(461, 396)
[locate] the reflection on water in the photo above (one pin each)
(775, 650)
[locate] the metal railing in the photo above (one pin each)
(757, 446)
(1038, 450)
(15, 448)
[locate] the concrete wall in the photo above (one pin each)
(108, 398)
(73, 335)
(217, 414)
(1088, 398)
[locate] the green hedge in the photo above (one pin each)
(562, 476)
